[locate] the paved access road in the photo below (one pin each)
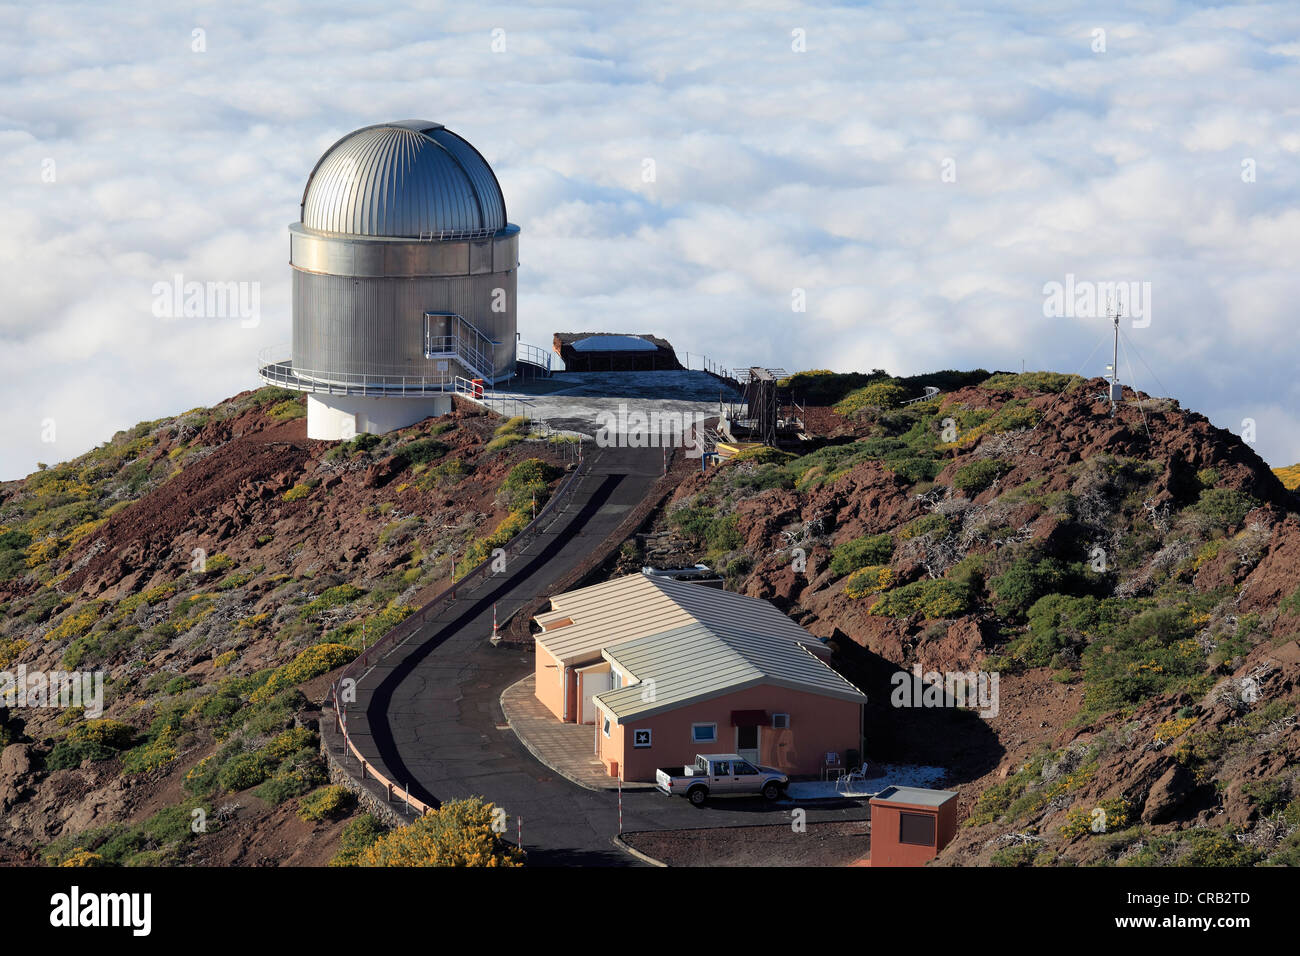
(430, 714)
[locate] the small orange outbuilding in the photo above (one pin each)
(910, 825)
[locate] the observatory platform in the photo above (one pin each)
(404, 277)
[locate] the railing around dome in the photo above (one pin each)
(447, 235)
(534, 355)
(375, 382)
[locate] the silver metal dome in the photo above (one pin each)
(411, 179)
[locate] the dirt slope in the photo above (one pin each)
(1133, 581)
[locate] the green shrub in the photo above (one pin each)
(68, 754)
(1028, 579)
(421, 451)
(860, 552)
(1200, 846)
(1291, 603)
(763, 455)
(1021, 854)
(1150, 653)
(244, 770)
(931, 598)
(1058, 621)
(332, 597)
(933, 523)
(1051, 382)
(288, 410)
(738, 567)
(914, 469)
(327, 803)
(704, 527)
(178, 685)
(357, 836)
(877, 395)
(93, 740)
(975, 476)
(527, 482)
(285, 786)
(1225, 506)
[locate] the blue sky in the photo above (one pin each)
(919, 172)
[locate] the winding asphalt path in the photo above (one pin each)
(429, 715)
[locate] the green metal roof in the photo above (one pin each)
(696, 662)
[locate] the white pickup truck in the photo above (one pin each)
(720, 774)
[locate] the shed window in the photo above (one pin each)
(704, 733)
(605, 726)
(780, 721)
(916, 829)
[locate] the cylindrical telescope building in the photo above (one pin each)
(403, 280)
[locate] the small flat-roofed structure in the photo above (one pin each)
(911, 825)
(614, 352)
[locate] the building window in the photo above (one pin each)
(641, 738)
(780, 721)
(704, 733)
(916, 829)
(604, 727)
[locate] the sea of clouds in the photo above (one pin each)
(920, 172)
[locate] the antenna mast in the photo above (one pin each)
(1116, 390)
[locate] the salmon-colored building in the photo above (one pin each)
(910, 825)
(664, 670)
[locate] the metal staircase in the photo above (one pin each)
(448, 335)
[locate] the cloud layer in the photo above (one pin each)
(919, 173)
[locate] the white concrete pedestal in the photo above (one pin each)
(341, 417)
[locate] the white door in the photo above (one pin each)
(593, 682)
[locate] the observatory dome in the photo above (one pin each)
(411, 179)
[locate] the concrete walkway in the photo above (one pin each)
(568, 749)
(580, 401)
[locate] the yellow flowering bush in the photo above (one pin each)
(1172, 729)
(458, 834)
(312, 662)
(298, 491)
(869, 580)
(1107, 816)
(76, 623)
(39, 552)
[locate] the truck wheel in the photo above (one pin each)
(697, 795)
(771, 790)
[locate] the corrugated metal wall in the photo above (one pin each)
(375, 326)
